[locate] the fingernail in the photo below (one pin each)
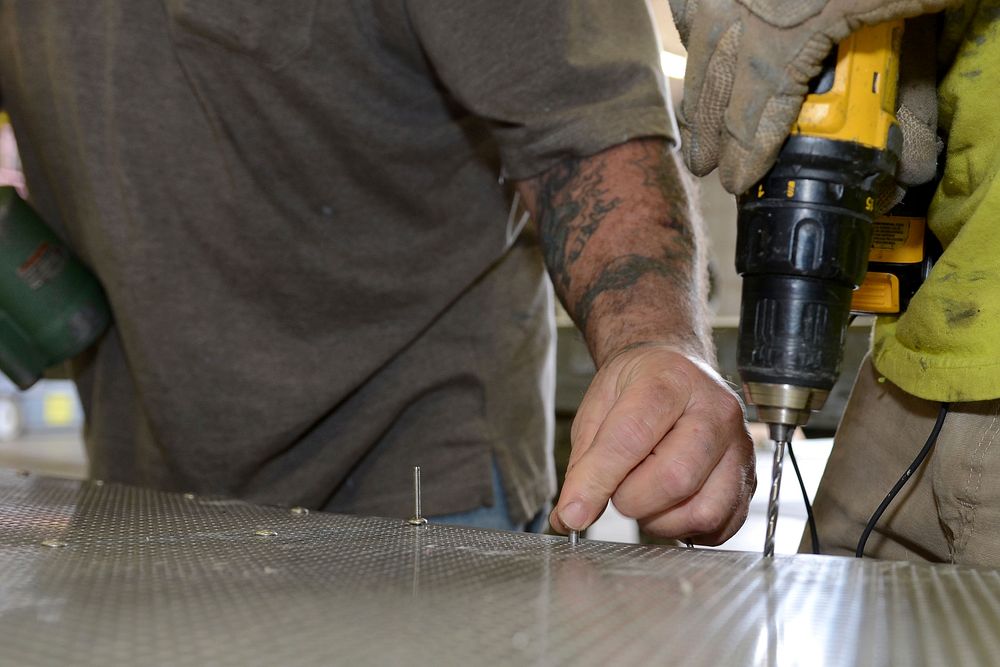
(574, 515)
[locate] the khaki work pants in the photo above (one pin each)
(949, 511)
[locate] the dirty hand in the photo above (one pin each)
(749, 66)
(662, 435)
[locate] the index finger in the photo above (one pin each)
(638, 420)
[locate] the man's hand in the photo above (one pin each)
(658, 429)
(749, 67)
(662, 435)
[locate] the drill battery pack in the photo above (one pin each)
(903, 250)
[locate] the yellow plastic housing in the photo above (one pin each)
(898, 239)
(860, 106)
(879, 294)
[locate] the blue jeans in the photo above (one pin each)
(496, 517)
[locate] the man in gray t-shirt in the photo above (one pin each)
(309, 220)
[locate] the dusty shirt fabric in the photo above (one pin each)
(946, 347)
(297, 211)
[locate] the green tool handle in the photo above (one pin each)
(51, 306)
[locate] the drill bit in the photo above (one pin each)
(772, 501)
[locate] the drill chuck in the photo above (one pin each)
(803, 238)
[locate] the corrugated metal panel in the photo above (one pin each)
(150, 578)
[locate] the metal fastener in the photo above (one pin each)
(574, 538)
(265, 532)
(53, 543)
(299, 510)
(189, 496)
(416, 519)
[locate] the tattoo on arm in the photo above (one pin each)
(572, 204)
(639, 201)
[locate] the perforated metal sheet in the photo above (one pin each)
(145, 578)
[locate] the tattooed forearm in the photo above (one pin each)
(620, 243)
(620, 274)
(572, 202)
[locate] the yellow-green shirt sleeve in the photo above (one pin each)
(946, 347)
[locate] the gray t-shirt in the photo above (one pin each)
(298, 210)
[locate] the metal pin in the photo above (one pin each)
(574, 538)
(265, 532)
(416, 519)
(301, 511)
(55, 544)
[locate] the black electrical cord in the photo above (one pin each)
(931, 439)
(805, 498)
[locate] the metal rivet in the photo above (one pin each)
(265, 532)
(98, 482)
(416, 519)
(189, 496)
(299, 510)
(53, 543)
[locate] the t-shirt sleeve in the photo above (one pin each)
(557, 79)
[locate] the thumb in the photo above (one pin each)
(766, 99)
(742, 164)
(708, 87)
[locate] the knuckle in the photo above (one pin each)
(708, 518)
(657, 527)
(740, 447)
(731, 408)
(658, 391)
(677, 479)
(632, 438)
(626, 504)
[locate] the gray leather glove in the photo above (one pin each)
(749, 67)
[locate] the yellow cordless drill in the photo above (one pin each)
(804, 233)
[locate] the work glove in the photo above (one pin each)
(749, 67)
(916, 111)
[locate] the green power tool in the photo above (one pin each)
(51, 307)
